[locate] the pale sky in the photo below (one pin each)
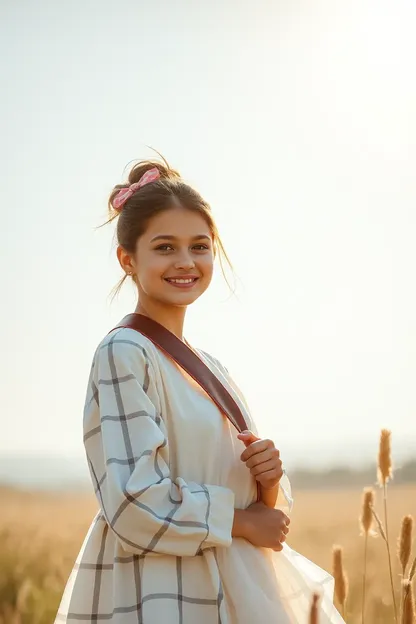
(296, 120)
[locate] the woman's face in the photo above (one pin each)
(174, 258)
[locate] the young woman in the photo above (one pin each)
(180, 537)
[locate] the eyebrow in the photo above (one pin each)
(170, 237)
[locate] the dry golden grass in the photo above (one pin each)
(321, 519)
(40, 535)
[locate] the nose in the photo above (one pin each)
(184, 262)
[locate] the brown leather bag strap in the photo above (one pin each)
(190, 362)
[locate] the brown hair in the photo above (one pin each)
(153, 198)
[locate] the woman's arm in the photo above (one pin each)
(269, 496)
(128, 454)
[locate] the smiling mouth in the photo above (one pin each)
(181, 282)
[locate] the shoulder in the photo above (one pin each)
(128, 337)
(125, 345)
(123, 367)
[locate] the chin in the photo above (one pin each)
(185, 300)
(180, 299)
(168, 296)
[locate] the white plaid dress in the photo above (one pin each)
(165, 465)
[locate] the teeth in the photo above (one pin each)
(181, 281)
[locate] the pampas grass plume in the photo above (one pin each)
(405, 542)
(385, 470)
(340, 577)
(366, 519)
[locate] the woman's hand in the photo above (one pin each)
(263, 460)
(261, 526)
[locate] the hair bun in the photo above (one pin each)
(140, 168)
(136, 174)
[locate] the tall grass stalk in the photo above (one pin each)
(366, 521)
(408, 611)
(412, 570)
(384, 475)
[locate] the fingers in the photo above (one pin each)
(282, 539)
(247, 437)
(244, 435)
(263, 467)
(269, 478)
(263, 456)
(257, 447)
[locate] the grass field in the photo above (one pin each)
(40, 535)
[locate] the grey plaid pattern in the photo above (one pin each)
(147, 519)
(159, 549)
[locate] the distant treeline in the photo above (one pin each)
(303, 479)
(345, 477)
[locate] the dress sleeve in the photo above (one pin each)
(128, 455)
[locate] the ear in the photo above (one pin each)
(125, 260)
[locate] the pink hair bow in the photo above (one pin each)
(125, 193)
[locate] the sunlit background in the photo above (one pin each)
(296, 120)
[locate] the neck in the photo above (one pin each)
(171, 317)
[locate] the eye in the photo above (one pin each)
(164, 247)
(200, 247)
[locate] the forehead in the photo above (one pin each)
(178, 222)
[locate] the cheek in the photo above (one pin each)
(150, 272)
(206, 265)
